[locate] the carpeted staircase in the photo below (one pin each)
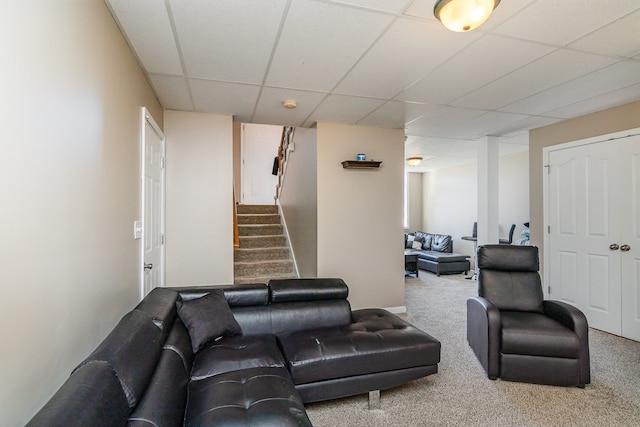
(264, 253)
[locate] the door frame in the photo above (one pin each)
(140, 227)
(546, 153)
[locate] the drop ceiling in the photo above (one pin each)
(390, 63)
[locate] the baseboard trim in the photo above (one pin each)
(397, 310)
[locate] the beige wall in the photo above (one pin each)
(450, 199)
(360, 213)
(299, 201)
(69, 179)
(600, 123)
(199, 216)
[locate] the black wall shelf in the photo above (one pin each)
(360, 164)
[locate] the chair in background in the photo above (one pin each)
(510, 239)
(515, 334)
(473, 238)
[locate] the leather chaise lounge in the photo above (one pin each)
(435, 253)
(282, 345)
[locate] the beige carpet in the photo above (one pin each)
(460, 394)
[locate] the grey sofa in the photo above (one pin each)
(285, 344)
(435, 253)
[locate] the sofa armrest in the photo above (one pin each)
(574, 319)
(483, 334)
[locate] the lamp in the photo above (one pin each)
(414, 161)
(463, 15)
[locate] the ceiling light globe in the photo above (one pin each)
(414, 161)
(464, 15)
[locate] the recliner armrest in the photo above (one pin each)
(483, 333)
(574, 319)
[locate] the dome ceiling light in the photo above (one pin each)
(464, 15)
(414, 161)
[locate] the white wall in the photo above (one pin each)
(360, 213)
(450, 199)
(69, 180)
(199, 215)
(299, 201)
(414, 200)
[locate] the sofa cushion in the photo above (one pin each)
(425, 238)
(257, 397)
(441, 243)
(207, 318)
(160, 305)
(236, 353)
(535, 334)
(443, 257)
(376, 341)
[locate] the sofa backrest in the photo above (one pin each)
(435, 242)
(285, 305)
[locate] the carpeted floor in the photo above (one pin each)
(460, 394)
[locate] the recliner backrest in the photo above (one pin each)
(508, 277)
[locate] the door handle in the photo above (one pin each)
(614, 247)
(148, 266)
(625, 248)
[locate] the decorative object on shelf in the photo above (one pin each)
(361, 164)
(414, 161)
(361, 157)
(464, 15)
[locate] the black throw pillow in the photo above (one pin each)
(208, 318)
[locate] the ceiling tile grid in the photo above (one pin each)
(389, 63)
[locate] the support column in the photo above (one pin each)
(488, 167)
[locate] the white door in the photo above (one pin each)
(630, 240)
(593, 257)
(153, 189)
(582, 225)
(259, 148)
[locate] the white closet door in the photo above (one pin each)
(631, 237)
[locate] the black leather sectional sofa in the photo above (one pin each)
(282, 345)
(435, 253)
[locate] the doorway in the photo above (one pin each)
(152, 228)
(259, 149)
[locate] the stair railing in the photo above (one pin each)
(236, 234)
(283, 154)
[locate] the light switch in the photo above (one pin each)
(137, 230)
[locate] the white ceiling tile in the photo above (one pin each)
(224, 98)
(227, 39)
(344, 109)
(172, 91)
(390, 115)
(270, 108)
(561, 22)
(599, 103)
(406, 52)
(608, 79)
(477, 65)
(549, 71)
(518, 127)
(488, 123)
(445, 121)
(392, 6)
(147, 27)
(618, 38)
(442, 147)
(320, 43)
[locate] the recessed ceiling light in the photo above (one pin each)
(464, 15)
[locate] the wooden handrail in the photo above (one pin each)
(236, 235)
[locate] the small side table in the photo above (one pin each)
(410, 263)
(473, 239)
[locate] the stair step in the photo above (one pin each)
(261, 254)
(258, 219)
(262, 279)
(260, 229)
(257, 209)
(262, 241)
(262, 268)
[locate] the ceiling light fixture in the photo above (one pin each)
(414, 161)
(289, 104)
(464, 15)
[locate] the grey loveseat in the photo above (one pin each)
(282, 345)
(435, 253)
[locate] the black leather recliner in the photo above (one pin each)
(518, 336)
